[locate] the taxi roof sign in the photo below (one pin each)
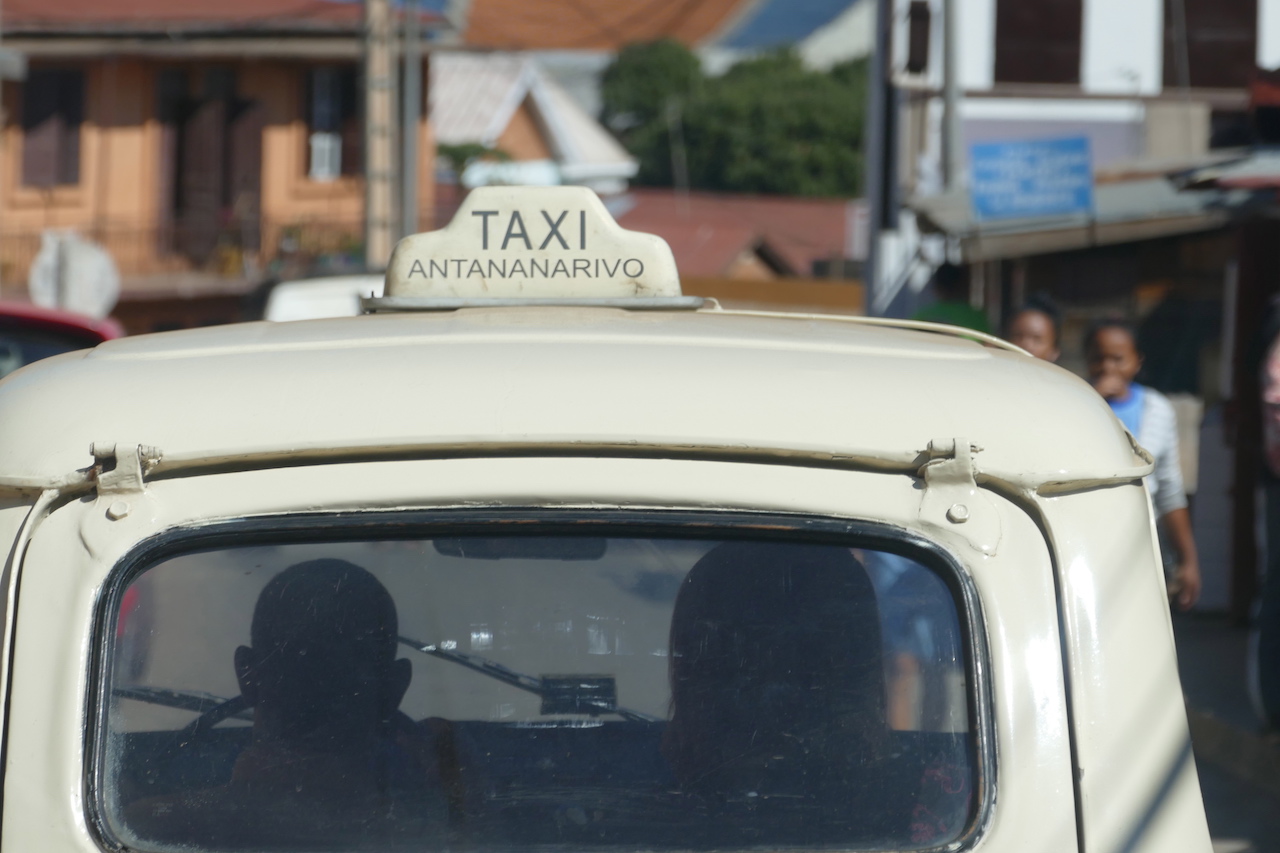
(531, 243)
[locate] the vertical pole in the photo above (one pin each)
(412, 113)
(3, 60)
(952, 159)
(875, 153)
(1259, 254)
(679, 156)
(379, 134)
(59, 272)
(2, 119)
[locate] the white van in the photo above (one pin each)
(320, 298)
(541, 555)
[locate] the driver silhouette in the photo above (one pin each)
(778, 694)
(331, 757)
(779, 729)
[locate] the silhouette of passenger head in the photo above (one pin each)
(322, 675)
(777, 681)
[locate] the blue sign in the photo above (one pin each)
(1036, 177)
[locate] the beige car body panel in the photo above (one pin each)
(1015, 468)
(44, 792)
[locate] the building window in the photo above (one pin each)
(1213, 46)
(52, 112)
(1038, 42)
(333, 123)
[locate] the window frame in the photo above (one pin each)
(371, 526)
(348, 123)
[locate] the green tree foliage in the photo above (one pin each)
(768, 125)
(462, 155)
(641, 80)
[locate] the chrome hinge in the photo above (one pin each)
(122, 469)
(952, 501)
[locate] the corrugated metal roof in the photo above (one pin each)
(474, 95)
(798, 230)
(773, 23)
(470, 93)
(598, 24)
(1255, 170)
(1123, 212)
(583, 144)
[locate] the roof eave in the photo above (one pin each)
(587, 171)
(981, 240)
(185, 29)
(313, 45)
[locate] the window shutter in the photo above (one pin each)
(203, 140)
(52, 114)
(71, 112)
(245, 167)
(352, 128)
(1038, 42)
(40, 129)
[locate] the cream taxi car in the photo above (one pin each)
(541, 555)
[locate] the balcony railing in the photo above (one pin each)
(232, 252)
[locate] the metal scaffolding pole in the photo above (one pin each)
(13, 66)
(379, 133)
(879, 181)
(952, 157)
(412, 112)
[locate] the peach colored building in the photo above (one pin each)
(199, 141)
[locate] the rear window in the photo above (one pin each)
(490, 692)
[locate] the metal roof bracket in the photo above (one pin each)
(118, 476)
(952, 503)
(122, 469)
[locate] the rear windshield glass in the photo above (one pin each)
(542, 692)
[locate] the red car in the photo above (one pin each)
(29, 333)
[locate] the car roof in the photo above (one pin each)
(54, 320)
(558, 377)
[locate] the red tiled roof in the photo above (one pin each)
(706, 251)
(140, 15)
(798, 230)
(593, 24)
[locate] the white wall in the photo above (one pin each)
(976, 37)
(1122, 49)
(1269, 33)
(850, 36)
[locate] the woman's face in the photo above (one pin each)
(1113, 361)
(1034, 332)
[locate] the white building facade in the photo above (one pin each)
(1152, 84)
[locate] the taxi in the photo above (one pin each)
(540, 554)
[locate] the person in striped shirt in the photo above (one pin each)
(1113, 359)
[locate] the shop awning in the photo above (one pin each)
(1124, 212)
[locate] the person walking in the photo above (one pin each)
(1037, 328)
(1113, 359)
